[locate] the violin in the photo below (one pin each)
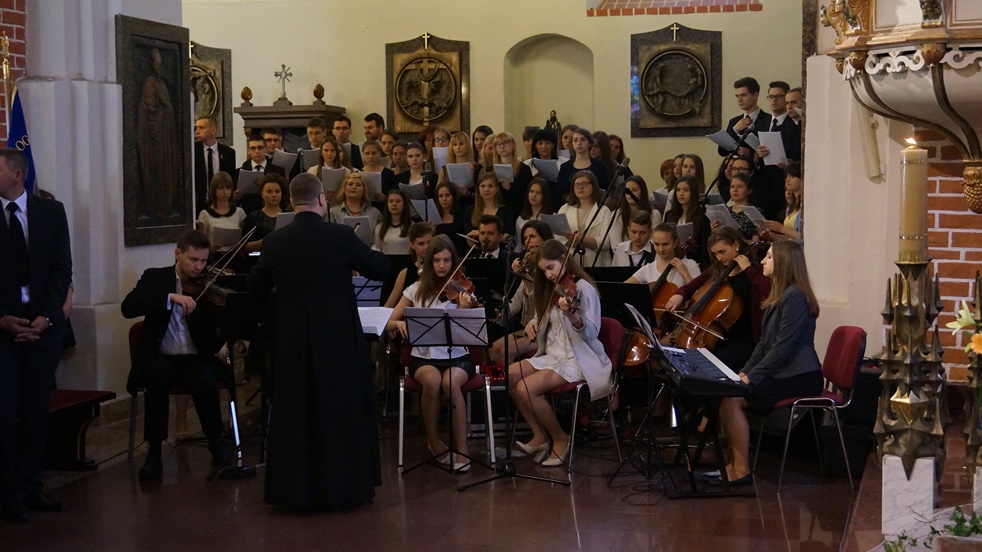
(203, 287)
(454, 286)
(566, 289)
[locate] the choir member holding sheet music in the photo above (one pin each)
(387, 140)
(600, 150)
(637, 249)
(543, 153)
(793, 194)
(528, 140)
(371, 153)
(488, 201)
(461, 156)
(485, 156)
(784, 363)
(255, 166)
(581, 160)
(398, 157)
(478, 138)
(342, 133)
(566, 140)
(438, 370)
(740, 202)
(351, 200)
(583, 202)
(392, 234)
(420, 234)
(329, 157)
(451, 216)
(665, 240)
(441, 147)
(520, 306)
(513, 188)
(686, 209)
(417, 174)
(538, 201)
(264, 220)
(748, 282)
(220, 213)
(568, 349)
(627, 206)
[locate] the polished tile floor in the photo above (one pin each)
(423, 510)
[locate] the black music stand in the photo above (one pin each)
(451, 328)
(615, 296)
(611, 273)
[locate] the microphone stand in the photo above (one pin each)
(579, 246)
(742, 140)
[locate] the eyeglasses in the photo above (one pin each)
(441, 140)
(500, 143)
(740, 169)
(775, 96)
(581, 184)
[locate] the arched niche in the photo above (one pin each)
(548, 72)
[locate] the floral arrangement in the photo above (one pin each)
(969, 322)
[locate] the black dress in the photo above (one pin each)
(323, 440)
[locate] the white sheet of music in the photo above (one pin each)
(558, 223)
(721, 214)
(753, 141)
(426, 210)
(223, 237)
(248, 182)
(461, 174)
(685, 231)
(548, 168)
(374, 319)
(284, 160)
(413, 191)
(283, 219)
(775, 146)
(331, 179)
(374, 181)
(310, 158)
(504, 172)
(723, 140)
(439, 157)
(755, 217)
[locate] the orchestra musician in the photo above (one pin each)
(784, 364)
(637, 250)
(748, 284)
(665, 240)
(420, 234)
(534, 233)
(437, 369)
(569, 349)
(177, 346)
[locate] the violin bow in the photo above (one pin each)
(224, 262)
(562, 272)
(457, 268)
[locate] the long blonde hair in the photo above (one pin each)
(339, 198)
(790, 269)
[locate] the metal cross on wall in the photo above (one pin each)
(283, 76)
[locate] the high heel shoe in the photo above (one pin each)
(461, 467)
(534, 451)
(554, 460)
(445, 458)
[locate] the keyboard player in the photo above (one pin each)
(784, 363)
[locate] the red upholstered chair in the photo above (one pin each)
(134, 342)
(843, 360)
(612, 337)
(478, 382)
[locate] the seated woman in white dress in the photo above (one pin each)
(569, 350)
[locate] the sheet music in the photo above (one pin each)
(684, 231)
(374, 182)
(331, 179)
(752, 140)
(563, 154)
(426, 210)
(659, 199)
(224, 237)
(283, 219)
(775, 146)
(755, 217)
(504, 172)
(439, 157)
(310, 158)
(548, 168)
(427, 327)
(721, 214)
(284, 160)
(714, 199)
(374, 319)
(248, 182)
(558, 223)
(413, 191)
(385, 162)
(723, 140)
(363, 228)
(461, 174)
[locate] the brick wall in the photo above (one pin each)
(13, 18)
(954, 238)
(670, 7)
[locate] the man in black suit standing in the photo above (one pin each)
(258, 161)
(746, 89)
(36, 261)
(769, 179)
(342, 133)
(177, 346)
(323, 439)
(210, 157)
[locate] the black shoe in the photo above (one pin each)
(739, 482)
(220, 454)
(15, 512)
(40, 502)
(153, 469)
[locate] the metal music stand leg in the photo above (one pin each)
(646, 426)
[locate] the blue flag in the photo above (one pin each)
(17, 138)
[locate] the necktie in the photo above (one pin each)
(259, 168)
(488, 256)
(19, 244)
(211, 165)
(773, 124)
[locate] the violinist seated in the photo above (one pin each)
(665, 241)
(566, 331)
(520, 306)
(435, 368)
(177, 346)
(732, 276)
(637, 251)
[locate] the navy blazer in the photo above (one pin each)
(787, 342)
(226, 163)
(763, 122)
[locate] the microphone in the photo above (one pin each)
(509, 243)
(624, 164)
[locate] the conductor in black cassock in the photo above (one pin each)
(323, 440)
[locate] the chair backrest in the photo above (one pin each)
(136, 330)
(612, 337)
(844, 357)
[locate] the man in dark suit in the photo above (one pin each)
(323, 438)
(177, 346)
(258, 161)
(210, 157)
(769, 179)
(36, 261)
(342, 133)
(746, 89)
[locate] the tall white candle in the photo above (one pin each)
(913, 209)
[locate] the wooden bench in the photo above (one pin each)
(70, 412)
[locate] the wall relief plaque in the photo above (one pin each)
(427, 82)
(211, 82)
(676, 76)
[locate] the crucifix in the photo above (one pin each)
(283, 76)
(675, 30)
(426, 41)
